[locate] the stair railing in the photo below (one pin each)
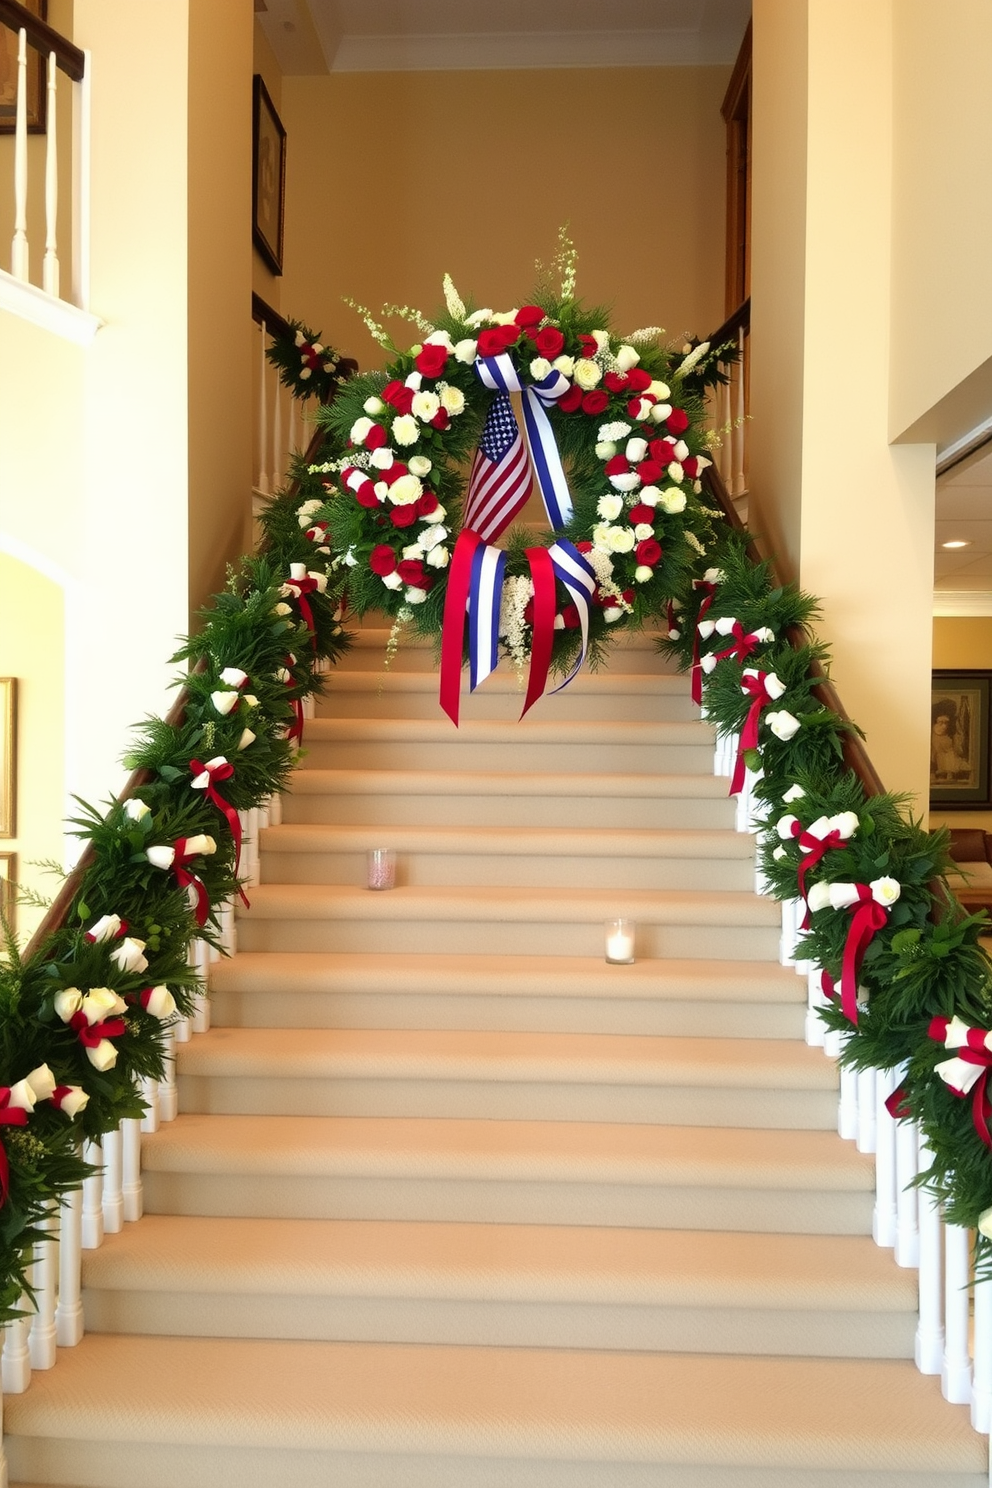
(729, 404)
(949, 1342)
(38, 44)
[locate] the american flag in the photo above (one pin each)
(500, 481)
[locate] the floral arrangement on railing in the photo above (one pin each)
(83, 1018)
(907, 982)
(306, 366)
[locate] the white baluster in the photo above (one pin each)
(815, 999)
(907, 1250)
(955, 1376)
(93, 1198)
(981, 1385)
(724, 458)
(41, 1341)
(132, 1195)
(294, 439)
(275, 811)
(883, 1225)
(739, 414)
(228, 928)
(16, 1369)
(50, 265)
(168, 1098)
(200, 960)
(789, 939)
(149, 1093)
(113, 1182)
(19, 253)
(69, 1312)
(81, 188)
(263, 424)
(929, 1346)
(277, 462)
(866, 1110)
(847, 1105)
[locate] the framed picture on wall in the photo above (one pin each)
(268, 191)
(959, 740)
(37, 94)
(8, 876)
(8, 760)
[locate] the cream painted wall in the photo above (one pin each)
(941, 218)
(848, 514)
(395, 178)
(962, 641)
(34, 654)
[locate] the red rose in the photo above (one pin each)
(529, 612)
(617, 382)
(441, 419)
(390, 390)
(394, 472)
(431, 360)
(497, 340)
(403, 516)
(595, 402)
(691, 467)
(648, 552)
(570, 615)
(529, 315)
(662, 450)
(627, 596)
(640, 513)
(571, 400)
(375, 438)
(426, 504)
(346, 472)
(677, 422)
(650, 471)
(634, 406)
(589, 345)
(382, 560)
(365, 495)
(618, 465)
(584, 546)
(549, 342)
(399, 395)
(638, 380)
(411, 571)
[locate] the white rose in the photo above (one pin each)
(539, 369)
(846, 823)
(636, 450)
(885, 890)
(465, 351)
(706, 629)
(958, 1074)
(406, 491)
(725, 624)
(100, 1003)
(621, 539)
(505, 317)
(818, 897)
(425, 406)
(136, 810)
(642, 409)
(649, 496)
(673, 634)
(660, 412)
(431, 536)
(819, 828)
(612, 614)
(106, 927)
(628, 480)
(359, 431)
(282, 609)
(601, 537)
(606, 449)
(440, 338)
(587, 373)
(418, 465)
(764, 634)
(708, 664)
(453, 400)
(714, 576)
(414, 550)
(406, 430)
(159, 1001)
(477, 317)
(247, 737)
(392, 580)
(128, 955)
(784, 827)
(414, 595)
(103, 1057)
(73, 1101)
(438, 514)
(382, 459)
(21, 1097)
(348, 559)
(373, 405)
(225, 702)
(642, 574)
(643, 530)
(779, 853)
(305, 372)
(601, 339)
(234, 677)
(660, 390)
(161, 857)
(559, 622)
(414, 381)
(843, 895)
(627, 357)
(794, 793)
(609, 507)
(565, 365)
(672, 502)
(67, 1003)
(774, 686)
(782, 724)
(681, 450)
(201, 844)
(675, 471)
(438, 557)
(42, 1082)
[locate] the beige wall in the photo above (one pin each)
(34, 654)
(396, 178)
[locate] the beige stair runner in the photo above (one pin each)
(452, 1203)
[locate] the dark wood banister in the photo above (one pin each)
(855, 755)
(262, 313)
(44, 38)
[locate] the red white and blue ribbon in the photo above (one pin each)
(500, 374)
(579, 578)
(485, 592)
(499, 484)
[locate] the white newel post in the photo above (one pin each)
(50, 264)
(955, 1375)
(981, 1384)
(69, 1312)
(19, 255)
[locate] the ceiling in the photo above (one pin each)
(321, 36)
(963, 576)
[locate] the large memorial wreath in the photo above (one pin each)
(614, 435)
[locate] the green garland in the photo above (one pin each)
(307, 367)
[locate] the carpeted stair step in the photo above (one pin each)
(513, 1172)
(494, 920)
(630, 652)
(493, 1285)
(508, 1076)
(568, 994)
(433, 744)
(598, 695)
(505, 798)
(565, 856)
(124, 1412)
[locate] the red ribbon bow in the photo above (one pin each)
(815, 849)
(973, 1052)
(185, 878)
(867, 918)
(743, 647)
(222, 771)
(91, 1034)
(755, 687)
(296, 703)
(300, 589)
(709, 592)
(9, 1116)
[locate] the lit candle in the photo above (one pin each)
(620, 942)
(382, 868)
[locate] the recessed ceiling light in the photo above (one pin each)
(958, 542)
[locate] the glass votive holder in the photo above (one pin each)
(620, 942)
(382, 868)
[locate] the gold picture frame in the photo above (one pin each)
(8, 756)
(37, 92)
(268, 182)
(8, 880)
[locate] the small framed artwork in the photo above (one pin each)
(959, 740)
(37, 93)
(8, 877)
(268, 190)
(8, 760)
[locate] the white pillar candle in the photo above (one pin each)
(382, 868)
(620, 942)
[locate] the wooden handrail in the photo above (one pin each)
(856, 757)
(741, 317)
(44, 38)
(262, 313)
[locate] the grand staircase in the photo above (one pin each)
(452, 1203)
